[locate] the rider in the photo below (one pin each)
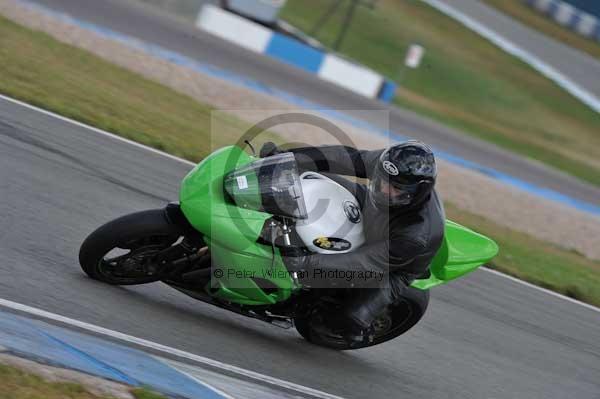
(403, 224)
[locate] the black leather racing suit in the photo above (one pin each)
(402, 241)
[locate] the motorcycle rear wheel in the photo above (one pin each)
(122, 252)
(400, 318)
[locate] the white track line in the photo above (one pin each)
(525, 283)
(167, 350)
(585, 96)
(174, 365)
(144, 147)
(96, 130)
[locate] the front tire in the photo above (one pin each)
(121, 252)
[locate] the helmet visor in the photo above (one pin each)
(386, 193)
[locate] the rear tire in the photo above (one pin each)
(142, 234)
(403, 315)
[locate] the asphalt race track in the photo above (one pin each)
(143, 23)
(484, 336)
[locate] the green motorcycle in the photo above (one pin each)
(237, 217)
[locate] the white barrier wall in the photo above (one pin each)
(234, 28)
(564, 13)
(350, 76)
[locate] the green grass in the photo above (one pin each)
(532, 18)
(466, 82)
(18, 384)
(538, 262)
(143, 393)
(42, 71)
(76, 84)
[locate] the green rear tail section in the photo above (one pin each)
(462, 251)
(251, 274)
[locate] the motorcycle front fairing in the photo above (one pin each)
(231, 231)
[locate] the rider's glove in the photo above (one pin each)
(301, 267)
(268, 149)
(298, 261)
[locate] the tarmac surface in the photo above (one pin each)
(483, 336)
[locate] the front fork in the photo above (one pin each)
(174, 215)
(182, 256)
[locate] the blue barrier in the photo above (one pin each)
(295, 53)
(590, 6)
(582, 17)
(388, 91)
(327, 66)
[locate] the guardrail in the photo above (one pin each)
(569, 16)
(329, 67)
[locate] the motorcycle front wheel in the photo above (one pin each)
(123, 251)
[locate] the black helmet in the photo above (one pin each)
(404, 176)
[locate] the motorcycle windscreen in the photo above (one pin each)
(270, 185)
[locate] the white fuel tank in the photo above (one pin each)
(335, 223)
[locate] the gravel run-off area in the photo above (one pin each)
(469, 190)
